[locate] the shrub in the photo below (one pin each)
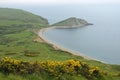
(53, 68)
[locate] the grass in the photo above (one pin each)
(34, 77)
(72, 21)
(24, 43)
(16, 40)
(21, 16)
(11, 77)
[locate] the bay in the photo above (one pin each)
(100, 41)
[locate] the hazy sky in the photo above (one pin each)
(42, 2)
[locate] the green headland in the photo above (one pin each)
(71, 22)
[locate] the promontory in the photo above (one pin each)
(71, 22)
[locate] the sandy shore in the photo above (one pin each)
(56, 46)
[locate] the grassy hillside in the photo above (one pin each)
(14, 15)
(17, 42)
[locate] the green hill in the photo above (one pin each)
(21, 16)
(15, 20)
(71, 22)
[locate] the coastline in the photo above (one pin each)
(42, 38)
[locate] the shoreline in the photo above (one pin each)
(56, 46)
(42, 38)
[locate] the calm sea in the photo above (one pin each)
(100, 41)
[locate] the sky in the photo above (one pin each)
(43, 2)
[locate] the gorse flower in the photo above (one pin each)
(53, 68)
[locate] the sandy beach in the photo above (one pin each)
(42, 38)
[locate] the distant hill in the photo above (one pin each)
(16, 20)
(16, 15)
(71, 22)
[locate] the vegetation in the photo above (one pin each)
(21, 16)
(71, 22)
(57, 70)
(35, 59)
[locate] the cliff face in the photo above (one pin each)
(71, 23)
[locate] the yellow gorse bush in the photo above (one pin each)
(53, 68)
(93, 70)
(69, 66)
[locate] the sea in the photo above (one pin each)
(99, 41)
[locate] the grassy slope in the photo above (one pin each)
(72, 21)
(20, 15)
(17, 41)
